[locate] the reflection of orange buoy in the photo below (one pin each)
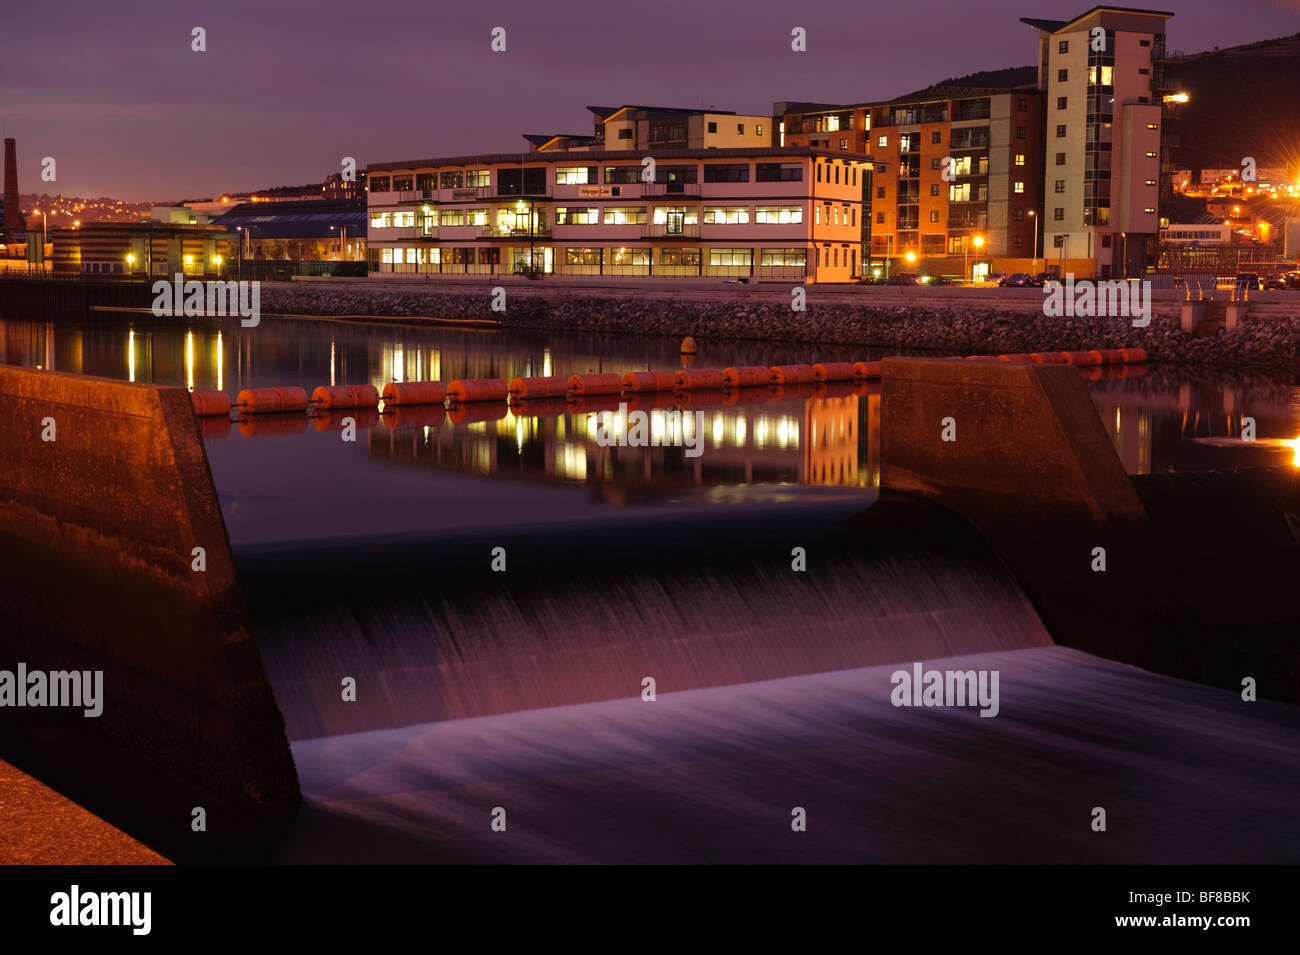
(688, 346)
(477, 389)
(745, 396)
(649, 400)
(833, 371)
(800, 392)
(414, 416)
(580, 404)
(746, 376)
(1048, 358)
(271, 400)
(210, 403)
(867, 388)
(698, 398)
(835, 389)
(1020, 356)
(691, 380)
(333, 420)
(1080, 358)
(790, 374)
(548, 387)
(214, 426)
(1091, 372)
(648, 381)
(477, 411)
(264, 424)
(551, 407)
(414, 393)
(1133, 356)
(595, 384)
(345, 396)
(862, 370)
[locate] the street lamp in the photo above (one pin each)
(1033, 216)
(979, 243)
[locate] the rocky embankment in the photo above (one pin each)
(1269, 340)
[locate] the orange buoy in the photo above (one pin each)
(1048, 358)
(210, 403)
(549, 387)
(264, 424)
(336, 418)
(477, 389)
(1019, 356)
(1133, 356)
(595, 384)
(790, 374)
(549, 407)
(345, 396)
(981, 358)
(271, 400)
(477, 411)
(1108, 356)
(1079, 357)
(635, 381)
(833, 371)
(414, 416)
(413, 393)
(746, 376)
(862, 370)
(694, 379)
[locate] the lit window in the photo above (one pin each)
(882, 142)
(1020, 159)
(1020, 187)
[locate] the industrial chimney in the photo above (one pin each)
(12, 224)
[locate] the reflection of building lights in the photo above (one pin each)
(546, 363)
(740, 430)
(760, 431)
(219, 375)
(783, 433)
(130, 356)
(189, 360)
(718, 426)
(1294, 444)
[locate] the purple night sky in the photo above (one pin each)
(285, 89)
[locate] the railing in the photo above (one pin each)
(417, 232)
(662, 230)
(670, 189)
(415, 195)
(509, 232)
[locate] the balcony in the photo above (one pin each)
(1162, 54)
(665, 230)
(511, 232)
(409, 196)
(417, 233)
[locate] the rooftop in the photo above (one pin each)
(586, 158)
(1056, 26)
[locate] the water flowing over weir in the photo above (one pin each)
(429, 632)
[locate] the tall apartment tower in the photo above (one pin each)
(1103, 118)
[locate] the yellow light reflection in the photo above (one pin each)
(130, 356)
(189, 360)
(220, 386)
(1294, 443)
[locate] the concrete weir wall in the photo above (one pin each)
(1031, 467)
(98, 528)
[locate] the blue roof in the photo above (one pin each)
(306, 219)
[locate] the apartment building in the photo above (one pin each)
(653, 128)
(774, 213)
(958, 175)
(1106, 150)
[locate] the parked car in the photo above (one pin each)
(1292, 279)
(1042, 278)
(939, 280)
(903, 278)
(1248, 280)
(994, 278)
(1277, 281)
(1017, 280)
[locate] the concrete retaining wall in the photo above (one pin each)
(97, 532)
